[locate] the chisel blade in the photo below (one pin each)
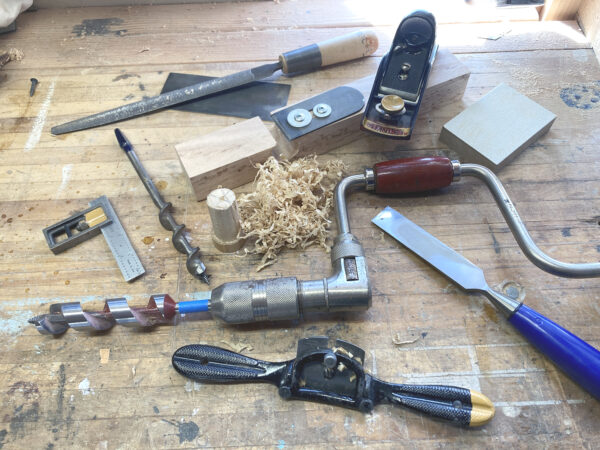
(452, 264)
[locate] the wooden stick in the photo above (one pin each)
(225, 218)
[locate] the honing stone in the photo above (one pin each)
(497, 128)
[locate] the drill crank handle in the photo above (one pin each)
(217, 365)
(454, 404)
(408, 175)
(332, 51)
(519, 231)
(402, 176)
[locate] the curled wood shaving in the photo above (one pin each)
(16, 54)
(290, 205)
(397, 340)
(343, 351)
(12, 55)
(411, 336)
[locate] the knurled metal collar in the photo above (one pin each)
(349, 247)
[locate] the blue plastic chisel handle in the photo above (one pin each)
(193, 306)
(575, 357)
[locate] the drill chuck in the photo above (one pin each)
(256, 300)
(348, 289)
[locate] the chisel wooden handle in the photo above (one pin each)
(332, 51)
(400, 176)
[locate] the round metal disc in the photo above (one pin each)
(392, 104)
(299, 118)
(322, 110)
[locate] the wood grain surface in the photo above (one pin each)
(118, 390)
(226, 157)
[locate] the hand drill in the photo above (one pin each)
(347, 289)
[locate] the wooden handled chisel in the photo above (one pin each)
(344, 48)
(574, 356)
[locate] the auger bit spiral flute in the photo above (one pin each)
(194, 264)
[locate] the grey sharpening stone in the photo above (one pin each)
(497, 128)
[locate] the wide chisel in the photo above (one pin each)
(574, 356)
(344, 48)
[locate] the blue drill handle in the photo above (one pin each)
(193, 306)
(574, 356)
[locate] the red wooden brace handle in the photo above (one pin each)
(407, 175)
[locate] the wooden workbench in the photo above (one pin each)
(119, 390)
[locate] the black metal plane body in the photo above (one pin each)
(401, 78)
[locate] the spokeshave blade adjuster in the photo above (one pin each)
(401, 78)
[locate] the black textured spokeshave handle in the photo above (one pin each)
(444, 402)
(217, 365)
(454, 404)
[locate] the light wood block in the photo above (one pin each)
(447, 83)
(588, 17)
(560, 9)
(225, 157)
(497, 128)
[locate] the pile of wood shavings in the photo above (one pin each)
(290, 205)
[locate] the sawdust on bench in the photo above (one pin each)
(290, 206)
